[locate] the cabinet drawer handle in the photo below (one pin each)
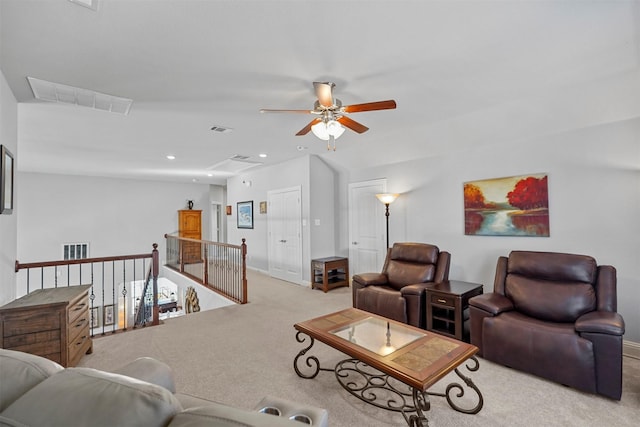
(442, 301)
(80, 323)
(82, 339)
(79, 307)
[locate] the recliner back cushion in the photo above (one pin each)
(401, 274)
(552, 301)
(419, 253)
(411, 263)
(553, 266)
(551, 286)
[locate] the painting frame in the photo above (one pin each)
(244, 211)
(507, 206)
(7, 172)
(95, 317)
(108, 315)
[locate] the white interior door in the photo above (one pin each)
(367, 248)
(284, 224)
(216, 221)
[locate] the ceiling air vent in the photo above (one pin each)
(221, 129)
(56, 92)
(233, 165)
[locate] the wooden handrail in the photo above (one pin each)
(20, 266)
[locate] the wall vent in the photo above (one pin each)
(75, 251)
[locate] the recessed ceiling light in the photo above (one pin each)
(209, 174)
(262, 155)
(171, 157)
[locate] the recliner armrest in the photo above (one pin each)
(492, 303)
(417, 289)
(367, 279)
(601, 322)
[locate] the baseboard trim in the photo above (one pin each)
(631, 349)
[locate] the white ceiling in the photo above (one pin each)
(465, 75)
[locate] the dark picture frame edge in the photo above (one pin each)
(244, 214)
(7, 172)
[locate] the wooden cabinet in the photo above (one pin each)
(190, 226)
(53, 323)
(328, 273)
(448, 308)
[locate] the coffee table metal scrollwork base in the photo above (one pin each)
(385, 392)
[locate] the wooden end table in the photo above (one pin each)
(330, 272)
(448, 308)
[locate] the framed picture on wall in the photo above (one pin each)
(245, 214)
(95, 317)
(6, 180)
(108, 315)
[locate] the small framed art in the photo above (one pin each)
(108, 315)
(95, 317)
(6, 180)
(245, 214)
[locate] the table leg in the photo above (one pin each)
(310, 362)
(456, 386)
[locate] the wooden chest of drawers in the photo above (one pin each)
(53, 323)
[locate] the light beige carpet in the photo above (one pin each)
(238, 354)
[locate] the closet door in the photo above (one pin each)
(284, 223)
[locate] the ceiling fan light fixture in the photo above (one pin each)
(325, 130)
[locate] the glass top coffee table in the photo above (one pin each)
(392, 365)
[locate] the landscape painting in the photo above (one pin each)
(512, 206)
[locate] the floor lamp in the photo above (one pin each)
(387, 199)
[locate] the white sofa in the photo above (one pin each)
(35, 391)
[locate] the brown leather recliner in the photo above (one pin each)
(553, 315)
(398, 292)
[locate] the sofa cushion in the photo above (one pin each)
(20, 373)
(93, 398)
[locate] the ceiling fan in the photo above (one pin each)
(332, 115)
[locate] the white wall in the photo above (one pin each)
(116, 216)
(8, 223)
(322, 212)
(286, 175)
(594, 192)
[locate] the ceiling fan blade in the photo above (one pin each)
(370, 106)
(352, 124)
(268, 110)
(305, 130)
(324, 92)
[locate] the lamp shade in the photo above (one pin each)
(323, 130)
(387, 198)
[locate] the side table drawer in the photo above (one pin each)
(445, 300)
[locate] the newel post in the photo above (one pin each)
(155, 271)
(244, 271)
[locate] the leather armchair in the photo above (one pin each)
(553, 315)
(398, 292)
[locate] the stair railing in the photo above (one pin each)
(221, 267)
(112, 280)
